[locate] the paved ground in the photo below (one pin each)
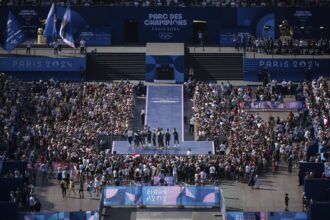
(270, 196)
(238, 196)
(162, 214)
(51, 199)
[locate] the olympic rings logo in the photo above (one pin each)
(165, 35)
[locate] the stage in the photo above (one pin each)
(165, 109)
(197, 148)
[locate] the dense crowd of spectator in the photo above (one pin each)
(43, 122)
(182, 3)
(49, 122)
(317, 93)
(62, 120)
(252, 143)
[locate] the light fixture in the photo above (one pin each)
(267, 27)
(302, 27)
(321, 27)
(199, 21)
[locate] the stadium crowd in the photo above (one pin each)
(51, 122)
(45, 122)
(252, 143)
(317, 93)
(62, 120)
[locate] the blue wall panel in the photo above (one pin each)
(175, 24)
(175, 62)
(43, 68)
(288, 69)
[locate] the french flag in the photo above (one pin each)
(66, 32)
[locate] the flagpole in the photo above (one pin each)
(55, 13)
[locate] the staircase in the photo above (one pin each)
(216, 66)
(116, 66)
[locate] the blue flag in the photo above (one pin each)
(66, 32)
(50, 32)
(14, 33)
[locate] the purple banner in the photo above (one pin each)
(273, 105)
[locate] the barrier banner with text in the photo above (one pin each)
(162, 195)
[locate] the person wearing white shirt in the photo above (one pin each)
(130, 136)
(189, 152)
(82, 46)
(222, 149)
(196, 178)
(28, 47)
(142, 114)
(191, 125)
(175, 174)
(212, 172)
(203, 176)
(32, 202)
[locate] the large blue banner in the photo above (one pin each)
(201, 196)
(122, 195)
(44, 68)
(162, 195)
(179, 24)
(246, 215)
(287, 215)
(288, 69)
(33, 64)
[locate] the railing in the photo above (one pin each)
(42, 51)
(80, 215)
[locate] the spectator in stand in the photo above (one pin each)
(82, 46)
